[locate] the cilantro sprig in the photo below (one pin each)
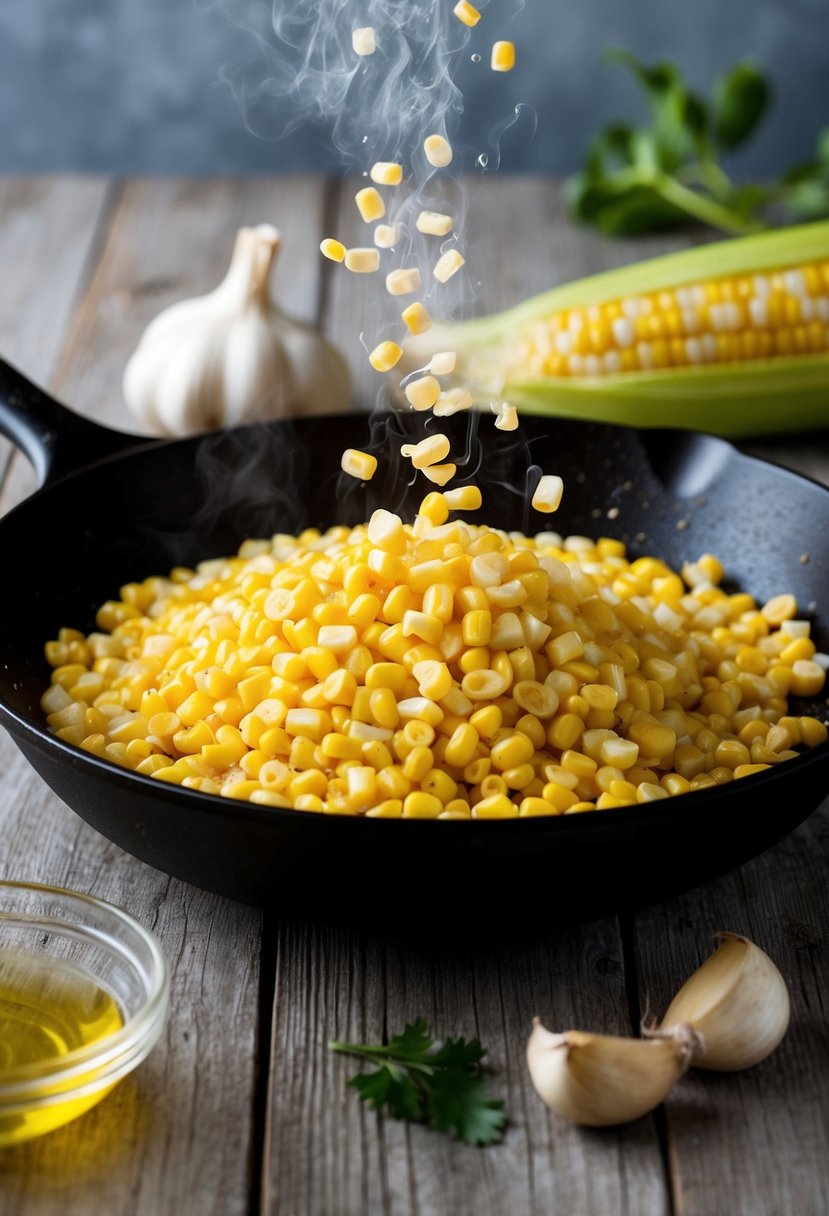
(641, 179)
(422, 1081)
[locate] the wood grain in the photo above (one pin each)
(178, 1134)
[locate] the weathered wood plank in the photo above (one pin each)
(753, 1141)
(324, 1153)
(179, 1135)
(48, 230)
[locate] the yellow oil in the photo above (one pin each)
(47, 1009)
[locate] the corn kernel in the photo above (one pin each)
(403, 281)
(422, 393)
(548, 493)
(363, 40)
(386, 236)
(466, 12)
(362, 260)
(448, 263)
(438, 151)
(503, 57)
(361, 465)
(384, 356)
(443, 363)
(386, 173)
(417, 318)
(335, 251)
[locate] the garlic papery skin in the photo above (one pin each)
(232, 357)
(737, 1001)
(599, 1080)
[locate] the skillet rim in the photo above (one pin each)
(136, 446)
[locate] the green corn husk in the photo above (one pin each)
(783, 393)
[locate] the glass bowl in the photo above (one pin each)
(84, 993)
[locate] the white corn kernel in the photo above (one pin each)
(358, 464)
(503, 57)
(403, 282)
(335, 251)
(384, 356)
(429, 451)
(386, 236)
(363, 40)
(386, 173)
(362, 261)
(434, 223)
(507, 419)
(422, 393)
(417, 318)
(467, 13)
(439, 474)
(547, 496)
(370, 204)
(438, 151)
(337, 637)
(385, 531)
(443, 363)
(448, 264)
(452, 402)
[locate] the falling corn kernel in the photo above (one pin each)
(422, 393)
(467, 13)
(430, 450)
(385, 531)
(417, 318)
(370, 204)
(384, 356)
(464, 498)
(503, 57)
(362, 261)
(548, 494)
(452, 402)
(363, 40)
(386, 173)
(403, 282)
(335, 251)
(433, 223)
(439, 474)
(443, 363)
(507, 419)
(361, 465)
(386, 236)
(448, 264)
(438, 151)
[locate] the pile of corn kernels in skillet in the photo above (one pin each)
(438, 670)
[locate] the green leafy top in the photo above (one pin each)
(638, 179)
(424, 1082)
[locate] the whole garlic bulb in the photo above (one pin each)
(232, 357)
(737, 1001)
(599, 1079)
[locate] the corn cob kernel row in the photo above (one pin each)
(725, 320)
(438, 670)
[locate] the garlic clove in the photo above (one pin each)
(737, 1001)
(599, 1080)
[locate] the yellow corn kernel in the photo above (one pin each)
(439, 474)
(448, 263)
(812, 731)
(389, 808)
(503, 57)
(808, 678)
(384, 356)
(422, 393)
(466, 12)
(386, 173)
(496, 806)
(438, 151)
(537, 699)
(433, 223)
(434, 679)
(386, 236)
(361, 465)
(417, 318)
(362, 260)
(420, 805)
(335, 251)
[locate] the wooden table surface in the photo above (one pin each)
(241, 1109)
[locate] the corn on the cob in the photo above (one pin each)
(437, 670)
(732, 338)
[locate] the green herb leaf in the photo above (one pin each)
(740, 101)
(424, 1082)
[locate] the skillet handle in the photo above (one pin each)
(54, 439)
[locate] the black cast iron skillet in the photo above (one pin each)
(114, 508)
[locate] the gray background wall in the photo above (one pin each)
(134, 85)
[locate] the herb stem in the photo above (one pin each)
(702, 208)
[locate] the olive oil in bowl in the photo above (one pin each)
(48, 1008)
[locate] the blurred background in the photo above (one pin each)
(136, 86)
